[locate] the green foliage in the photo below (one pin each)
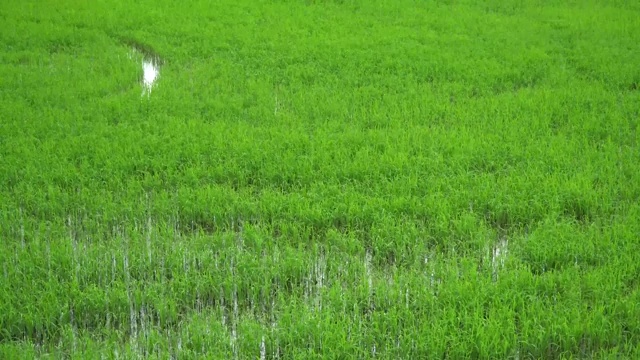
(320, 179)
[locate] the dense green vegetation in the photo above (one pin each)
(320, 179)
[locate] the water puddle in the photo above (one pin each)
(430, 267)
(151, 72)
(498, 255)
(150, 62)
(315, 282)
(263, 349)
(367, 266)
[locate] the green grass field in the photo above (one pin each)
(320, 180)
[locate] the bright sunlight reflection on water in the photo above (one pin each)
(151, 72)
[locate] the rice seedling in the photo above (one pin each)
(319, 179)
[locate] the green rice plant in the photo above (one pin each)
(311, 179)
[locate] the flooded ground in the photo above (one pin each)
(151, 71)
(150, 68)
(498, 255)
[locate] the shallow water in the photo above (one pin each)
(151, 71)
(498, 255)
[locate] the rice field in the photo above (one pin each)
(305, 179)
